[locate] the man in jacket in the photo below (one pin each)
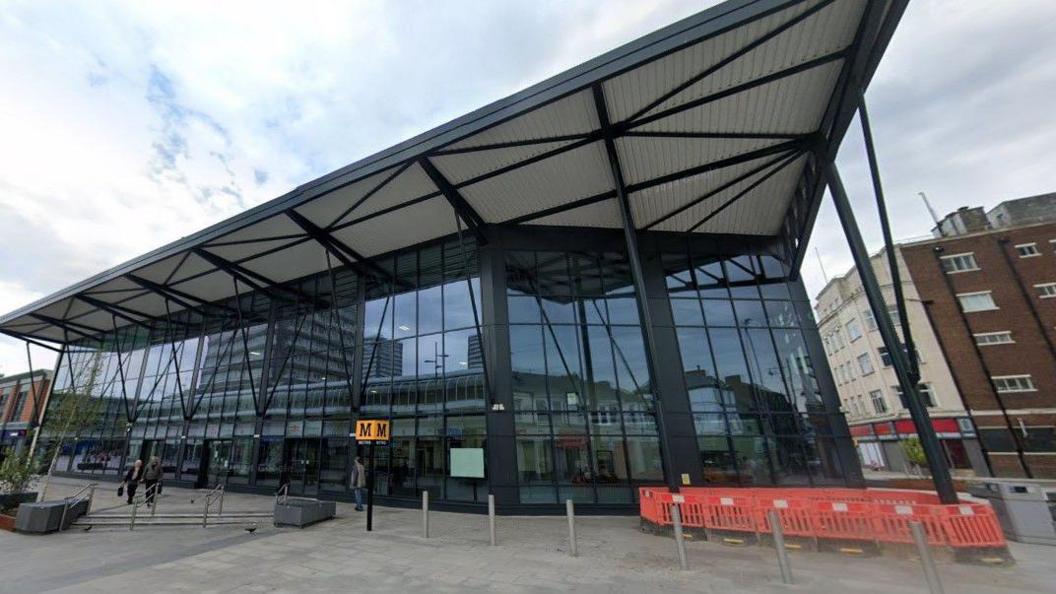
(132, 478)
(359, 480)
(151, 477)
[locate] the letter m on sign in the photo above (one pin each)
(364, 430)
(382, 430)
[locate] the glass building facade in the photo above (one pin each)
(530, 348)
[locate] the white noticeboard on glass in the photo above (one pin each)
(467, 462)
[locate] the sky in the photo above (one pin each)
(127, 125)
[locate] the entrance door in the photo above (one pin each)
(216, 461)
(302, 466)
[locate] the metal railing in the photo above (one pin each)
(76, 498)
(283, 494)
(215, 495)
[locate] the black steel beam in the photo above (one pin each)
(258, 281)
(71, 326)
(710, 193)
(783, 147)
(512, 144)
(758, 82)
(178, 297)
(788, 160)
(337, 248)
(732, 58)
(715, 135)
(630, 234)
(113, 310)
(889, 243)
(29, 339)
(388, 178)
(929, 441)
(464, 210)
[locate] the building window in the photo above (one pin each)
(981, 301)
(992, 338)
(865, 363)
(1046, 290)
(1013, 383)
(959, 263)
(1027, 250)
(923, 389)
(870, 321)
(892, 312)
(854, 330)
(885, 356)
(879, 404)
(17, 407)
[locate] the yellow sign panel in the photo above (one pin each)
(372, 430)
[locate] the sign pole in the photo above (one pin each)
(370, 491)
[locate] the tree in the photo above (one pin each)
(70, 413)
(914, 452)
(15, 475)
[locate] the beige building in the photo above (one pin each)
(867, 385)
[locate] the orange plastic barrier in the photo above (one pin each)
(794, 513)
(971, 525)
(843, 520)
(892, 522)
(876, 515)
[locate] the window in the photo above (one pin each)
(885, 357)
(17, 407)
(981, 301)
(892, 312)
(879, 404)
(925, 391)
(865, 363)
(870, 321)
(1046, 290)
(992, 338)
(959, 263)
(1013, 383)
(854, 330)
(1027, 250)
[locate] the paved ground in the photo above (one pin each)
(531, 557)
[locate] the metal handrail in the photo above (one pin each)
(216, 494)
(77, 498)
(136, 502)
(283, 494)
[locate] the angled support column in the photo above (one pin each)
(889, 244)
(463, 208)
(903, 369)
(630, 235)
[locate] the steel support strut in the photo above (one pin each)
(630, 235)
(889, 244)
(928, 440)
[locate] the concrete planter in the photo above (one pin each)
(44, 517)
(301, 512)
(11, 502)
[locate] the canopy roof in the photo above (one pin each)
(710, 122)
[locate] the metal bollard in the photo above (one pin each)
(425, 514)
(205, 512)
(571, 512)
(931, 574)
(779, 544)
(680, 541)
(491, 518)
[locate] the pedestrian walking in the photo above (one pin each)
(152, 479)
(359, 480)
(132, 478)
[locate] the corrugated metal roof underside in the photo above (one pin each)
(705, 137)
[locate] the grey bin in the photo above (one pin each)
(1027, 511)
(302, 511)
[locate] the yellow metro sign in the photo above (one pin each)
(372, 430)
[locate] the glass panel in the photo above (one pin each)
(430, 310)
(687, 312)
(643, 455)
(529, 368)
(535, 470)
(523, 309)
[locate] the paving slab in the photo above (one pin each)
(532, 556)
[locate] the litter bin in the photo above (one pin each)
(1027, 511)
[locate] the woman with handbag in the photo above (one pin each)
(132, 478)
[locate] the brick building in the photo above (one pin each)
(869, 393)
(17, 403)
(988, 284)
